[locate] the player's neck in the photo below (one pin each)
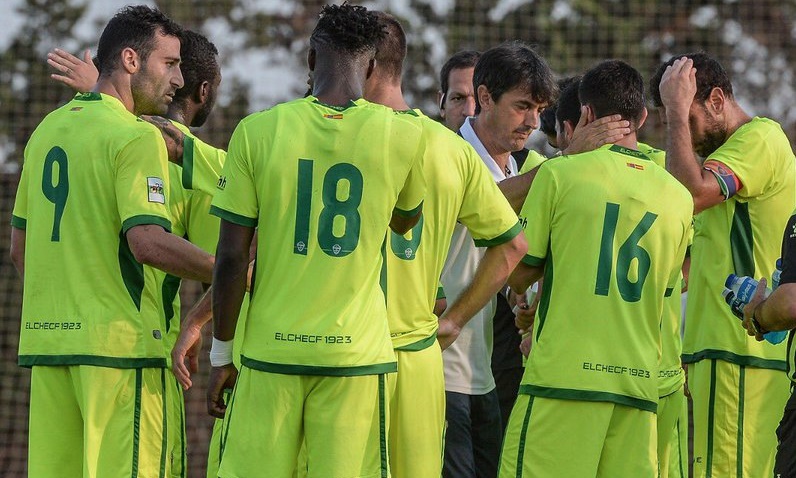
(498, 153)
(336, 91)
(119, 88)
(387, 93)
(628, 141)
(181, 113)
(736, 117)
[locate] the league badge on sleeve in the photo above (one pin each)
(156, 190)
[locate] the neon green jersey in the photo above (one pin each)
(201, 163)
(92, 171)
(610, 228)
(191, 218)
(670, 373)
(463, 191)
(322, 183)
(757, 171)
(533, 160)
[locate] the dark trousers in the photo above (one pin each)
(508, 386)
(473, 436)
(785, 464)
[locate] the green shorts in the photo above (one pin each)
(670, 411)
(341, 420)
(417, 413)
(554, 438)
(176, 432)
(88, 421)
(736, 413)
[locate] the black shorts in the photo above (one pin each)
(785, 466)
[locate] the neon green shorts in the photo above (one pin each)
(670, 410)
(176, 427)
(342, 420)
(98, 422)
(736, 413)
(417, 413)
(554, 438)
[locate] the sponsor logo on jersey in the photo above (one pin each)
(222, 182)
(156, 190)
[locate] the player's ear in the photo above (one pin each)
(202, 92)
(311, 55)
(569, 129)
(716, 100)
(441, 103)
(131, 62)
(589, 114)
(484, 97)
(642, 119)
(371, 68)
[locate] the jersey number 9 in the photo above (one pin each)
(56, 192)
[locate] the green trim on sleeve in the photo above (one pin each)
(18, 222)
(421, 344)
(144, 219)
(187, 162)
(736, 359)
(440, 293)
(501, 239)
(232, 217)
(95, 360)
(316, 370)
(533, 261)
(589, 396)
(414, 212)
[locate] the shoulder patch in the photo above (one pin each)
(155, 190)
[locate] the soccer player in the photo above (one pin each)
(773, 313)
(190, 210)
(98, 352)
(744, 192)
(463, 192)
(313, 372)
(608, 229)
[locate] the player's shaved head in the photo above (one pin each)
(391, 50)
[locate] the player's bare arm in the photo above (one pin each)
(586, 137)
(775, 313)
(154, 246)
(17, 251)
(678, 88)
(189, 342)
(401, 224)
(491, 275)
(229, 279)
(172, 136)
(524, 275)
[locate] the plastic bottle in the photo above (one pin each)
(737, 305)
(776, 274)
(743, 287)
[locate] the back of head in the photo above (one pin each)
(347, 29)
(460, 60)
(709, 74)
(547, 120)
(391, 50)
(514, 65)
(199, 63)
(568, 107)
(133, 27)
(613, 87)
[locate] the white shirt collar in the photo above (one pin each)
(468, 133)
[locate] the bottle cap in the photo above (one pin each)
(730, 279)
(779, 263)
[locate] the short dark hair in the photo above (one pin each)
(547, 119)
(199, 62)
(459, 60)
(347, 28)
(709, 74)
(391, 50)
(613, 87)
(568, 108)
(133, 27)
(514, 65)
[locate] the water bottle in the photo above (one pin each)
(737, 305)
(743, 287)
(776, 274)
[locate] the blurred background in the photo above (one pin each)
(263, 46)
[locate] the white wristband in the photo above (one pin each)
(221, 353)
